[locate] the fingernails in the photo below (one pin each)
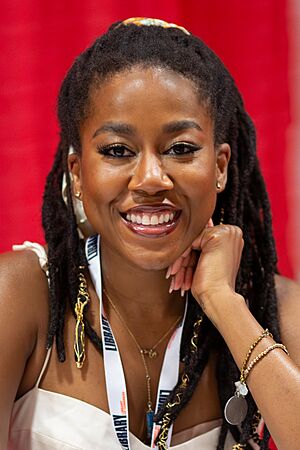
(182, 292)
(168, 272)
(171, 286)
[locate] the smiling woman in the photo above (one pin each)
(160, 264)
(152, 175)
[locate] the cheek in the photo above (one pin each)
(100, 187)
(199, 186)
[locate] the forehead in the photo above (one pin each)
(152, 92)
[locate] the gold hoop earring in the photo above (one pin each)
(77, 194)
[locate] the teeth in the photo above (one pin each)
(152, 219)
(145, 220)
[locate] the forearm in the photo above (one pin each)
(274, 381)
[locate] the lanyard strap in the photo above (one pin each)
(114, 374)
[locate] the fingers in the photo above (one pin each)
(188, 278)
(226, 239)
(182, 280)
(181, 270)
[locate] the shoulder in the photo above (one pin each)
(21, 278)
(288, 294)
(23, 327)
(24, 308)
(24, 290)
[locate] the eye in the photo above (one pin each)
(115, 151)
(181, 149)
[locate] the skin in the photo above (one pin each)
(147, 99)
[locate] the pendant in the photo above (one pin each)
(149, 423)
(152, 354)
(236, 409)
(79, 348)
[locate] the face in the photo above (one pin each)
(149, 168)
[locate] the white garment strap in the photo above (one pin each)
(114, 374)
(38, 249)
(48, 354)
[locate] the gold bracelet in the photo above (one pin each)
(262, 355)
(264, 334)
(236, 407)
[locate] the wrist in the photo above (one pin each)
(222, 305)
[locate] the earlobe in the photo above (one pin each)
(74, 166)
(222, 161)
(75, 172)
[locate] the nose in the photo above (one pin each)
(149, 175)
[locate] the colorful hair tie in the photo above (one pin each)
(147, 22)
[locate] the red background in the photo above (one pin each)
(39, 41)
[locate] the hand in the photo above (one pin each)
(214, 268)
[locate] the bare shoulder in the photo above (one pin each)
(288, 293)
(23, 328)
(24, 297)
(22, 282)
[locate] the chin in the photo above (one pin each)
(146, 260)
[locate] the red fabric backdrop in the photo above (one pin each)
(40, 39)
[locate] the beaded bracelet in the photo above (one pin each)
(264, 334)
(261, 355)
(236, 407)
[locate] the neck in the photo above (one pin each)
(138, 292)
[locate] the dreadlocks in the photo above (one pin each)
(244, 202)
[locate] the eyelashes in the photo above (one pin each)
(115, 151)
(182, 149)
(118, 151)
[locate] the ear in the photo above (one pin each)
(74, 165)
(222, 161)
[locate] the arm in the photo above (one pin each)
(275, 381)
(20, 283)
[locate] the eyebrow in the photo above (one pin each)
(117, 128)
(129, 130)
(180, 125)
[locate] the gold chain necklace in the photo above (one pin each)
(151, 353)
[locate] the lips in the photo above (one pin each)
(152, 221)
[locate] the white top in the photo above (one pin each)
(44, 420)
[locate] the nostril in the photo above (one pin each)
(150, 178)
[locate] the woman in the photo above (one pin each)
(157, 150)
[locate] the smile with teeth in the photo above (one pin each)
(150, 219)
(151, 222)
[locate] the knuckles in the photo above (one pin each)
(221, 231)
